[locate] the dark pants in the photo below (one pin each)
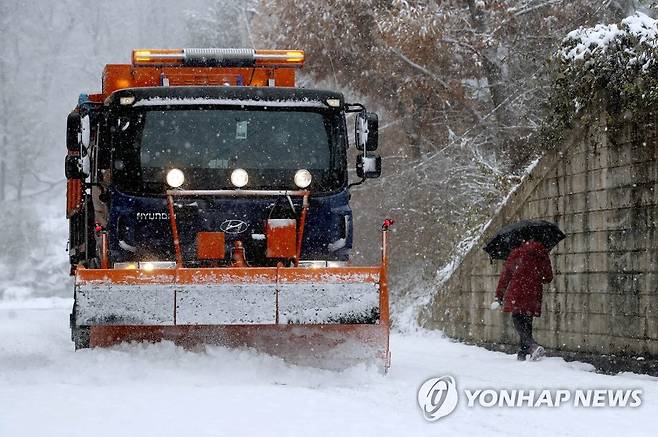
(523, 325)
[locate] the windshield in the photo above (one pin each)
(208, 144)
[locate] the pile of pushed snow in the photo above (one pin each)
(638, 29)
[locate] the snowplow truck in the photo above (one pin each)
(208, 203)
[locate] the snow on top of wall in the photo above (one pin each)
(590, 40)
(642, 26)
(584, 43)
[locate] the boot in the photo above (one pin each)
(537, 352)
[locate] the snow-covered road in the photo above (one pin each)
(160, 390)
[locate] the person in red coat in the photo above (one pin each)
(519, 291)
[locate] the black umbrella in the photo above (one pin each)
(513, 235)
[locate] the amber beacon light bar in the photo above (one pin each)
(221, 57)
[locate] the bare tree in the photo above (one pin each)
(465, 82)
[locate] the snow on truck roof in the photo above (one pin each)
(159, 101)
(238, 96)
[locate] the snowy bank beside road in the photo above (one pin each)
(34, 261)
(46, 388)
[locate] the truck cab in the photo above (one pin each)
(202, 120)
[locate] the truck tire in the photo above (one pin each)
(80, 337)
(79, 334)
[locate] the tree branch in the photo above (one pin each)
(419, 67)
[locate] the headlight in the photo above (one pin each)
(312, 264)
(239, 178)
(127, 266)
(175, 178)
(146, 266)
(303, 178)
(320, 264)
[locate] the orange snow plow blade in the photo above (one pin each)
(329, 317)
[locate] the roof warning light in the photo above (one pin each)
(218, 57)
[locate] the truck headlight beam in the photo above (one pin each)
(239, 177)
(303, 178)
(175, 178)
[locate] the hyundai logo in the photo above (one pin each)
(233, 226)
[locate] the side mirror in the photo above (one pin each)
(366, 131)
(73, 168)
(368, 167)
(85, 131)
(73, 128)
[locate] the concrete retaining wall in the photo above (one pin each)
(601, 188)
